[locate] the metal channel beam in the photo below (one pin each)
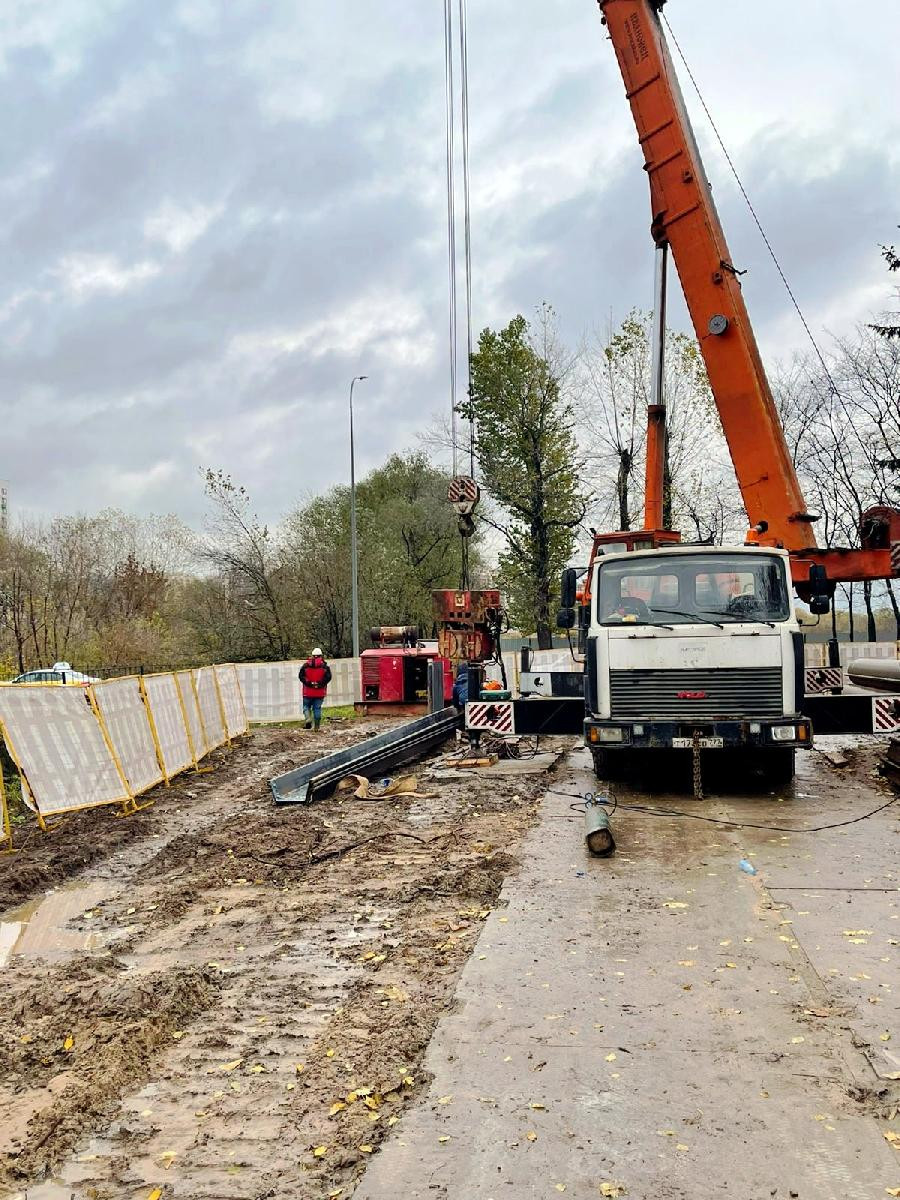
(375, 756)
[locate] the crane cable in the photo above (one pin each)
(756, 219)
(451, 217)
(467, 225)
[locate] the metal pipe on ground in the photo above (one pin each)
(597, 833)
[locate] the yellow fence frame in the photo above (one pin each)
(128, 801)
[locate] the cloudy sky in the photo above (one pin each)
(215, 212)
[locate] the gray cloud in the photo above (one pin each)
(213, 216)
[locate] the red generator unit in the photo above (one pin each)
(395, 672)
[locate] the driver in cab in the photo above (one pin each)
(628, 610)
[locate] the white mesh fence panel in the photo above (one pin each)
(271, 691)
(56, 738)
(205, 683)
(185, 681)
(230, 692)
(169, 721)
(122, 707)
(345, 687)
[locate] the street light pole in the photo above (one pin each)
(354, 585)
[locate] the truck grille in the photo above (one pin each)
(715, 692)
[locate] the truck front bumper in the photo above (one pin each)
(791, 731)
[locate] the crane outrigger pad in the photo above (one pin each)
(375, 756)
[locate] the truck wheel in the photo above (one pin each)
(778, 764)
(609, 764)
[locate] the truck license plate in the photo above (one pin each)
(706, 743)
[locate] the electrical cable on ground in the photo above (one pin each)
(756, 219)
(652, 811)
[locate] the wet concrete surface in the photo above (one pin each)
(662, 1024)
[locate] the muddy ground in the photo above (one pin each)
(222, 998)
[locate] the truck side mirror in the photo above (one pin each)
(567, 590)
(819, 591)
(566, 618)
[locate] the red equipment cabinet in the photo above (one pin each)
(395, 677)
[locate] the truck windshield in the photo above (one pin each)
(680, 589)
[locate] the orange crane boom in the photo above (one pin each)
(684, 216)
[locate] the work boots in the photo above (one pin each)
(316, 727)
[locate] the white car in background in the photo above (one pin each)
(60, 672)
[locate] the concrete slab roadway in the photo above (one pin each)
(663, 1025)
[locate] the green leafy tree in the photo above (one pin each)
(528, 461)
(408, 546)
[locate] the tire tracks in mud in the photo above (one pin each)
(309, 991)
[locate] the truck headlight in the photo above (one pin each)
(784, 733)
(611, 734)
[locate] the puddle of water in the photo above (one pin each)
(51, 1189)
(40, 928)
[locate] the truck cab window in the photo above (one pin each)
(694, 588)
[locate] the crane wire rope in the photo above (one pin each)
(749, 204)
(467, 225)
(451, 218)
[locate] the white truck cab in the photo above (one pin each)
(694, 644)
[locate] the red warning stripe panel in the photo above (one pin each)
(495, 716)
(886, 714)
(823, 679)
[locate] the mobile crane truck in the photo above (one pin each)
(698, 647)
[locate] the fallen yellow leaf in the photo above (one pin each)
(336, 1108)
(885, 1037)
(797, 1040)
(893, 1191)
(231, 1066)
(155, 1194)
(443, 1139)
(366, 1148)
(320, 1151)
(68, 1043)
(609, 1188)
(329, 1054)
(444, 1099)
(300, 1067)
(560, 1187)
(680, 1146)
(893, 1138)
(538, 1107)
(610, 1058)
(532, 1136)
(668, 904)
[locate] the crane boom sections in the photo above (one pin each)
(684, 216)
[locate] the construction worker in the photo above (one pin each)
(315, 675)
